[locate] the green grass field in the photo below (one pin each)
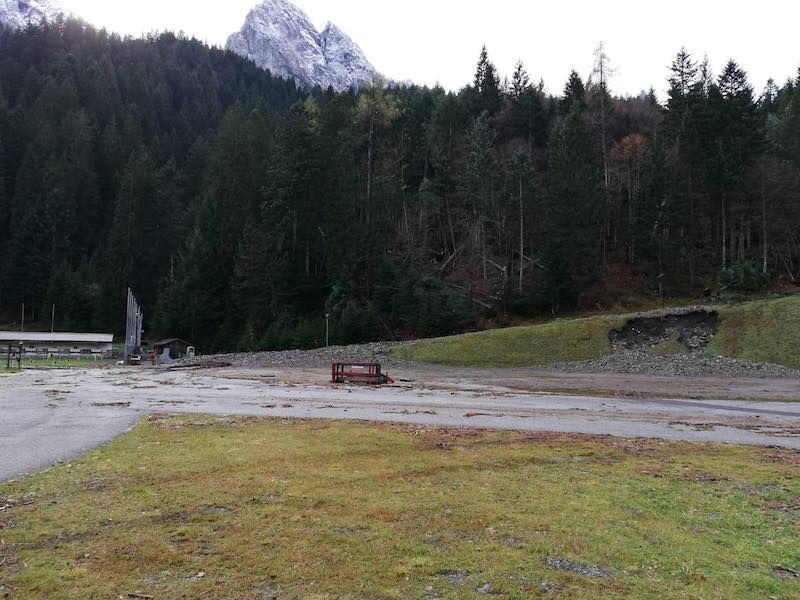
(200, 507)
(765, 331)
(55, 363)
(560, 340)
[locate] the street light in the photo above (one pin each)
(327, 329)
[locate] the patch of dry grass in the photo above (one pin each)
(197, 507)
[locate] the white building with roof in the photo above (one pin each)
(35, 344)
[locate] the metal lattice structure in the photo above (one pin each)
(133, 327)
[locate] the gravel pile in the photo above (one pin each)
(563, 564)
(305, 359)
(688, 364)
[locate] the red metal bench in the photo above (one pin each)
(366, 373)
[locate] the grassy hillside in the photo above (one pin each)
(560, 340)
(763, 331)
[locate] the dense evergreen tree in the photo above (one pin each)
(242, 210)
(486, 85)
(790, 142)
(574, 94)
(574, 204)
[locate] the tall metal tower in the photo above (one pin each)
(133, 327)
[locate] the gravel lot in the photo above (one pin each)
(52, 415)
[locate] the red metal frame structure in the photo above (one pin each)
(367, 373)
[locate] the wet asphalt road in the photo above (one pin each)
(51, 416)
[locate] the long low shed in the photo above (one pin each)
(42, 345)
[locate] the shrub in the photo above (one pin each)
(744, 276)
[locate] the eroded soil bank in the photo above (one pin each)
(690, 331)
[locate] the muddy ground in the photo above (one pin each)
(52, 415)
(549, 381)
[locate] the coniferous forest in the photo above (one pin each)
(242, 209)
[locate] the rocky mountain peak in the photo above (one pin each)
(279, 36)
(17, 14)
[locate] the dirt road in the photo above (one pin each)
(539, 381)
(49, 416)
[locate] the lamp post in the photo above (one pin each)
(327, 329)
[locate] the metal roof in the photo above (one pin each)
(30, 336)
(170, 341)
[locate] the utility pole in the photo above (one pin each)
(22, 321)
(53, 320)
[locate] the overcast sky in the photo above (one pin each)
(438, 41)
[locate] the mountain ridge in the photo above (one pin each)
(280, 37)
(18, 14)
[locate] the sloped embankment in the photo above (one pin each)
(763, 331)
(754, 339)
(534, 345)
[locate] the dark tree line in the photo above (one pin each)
(242, 210)
(104, 146)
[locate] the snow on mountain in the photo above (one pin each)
(17, 14)
(346, 62)
(279, 36)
